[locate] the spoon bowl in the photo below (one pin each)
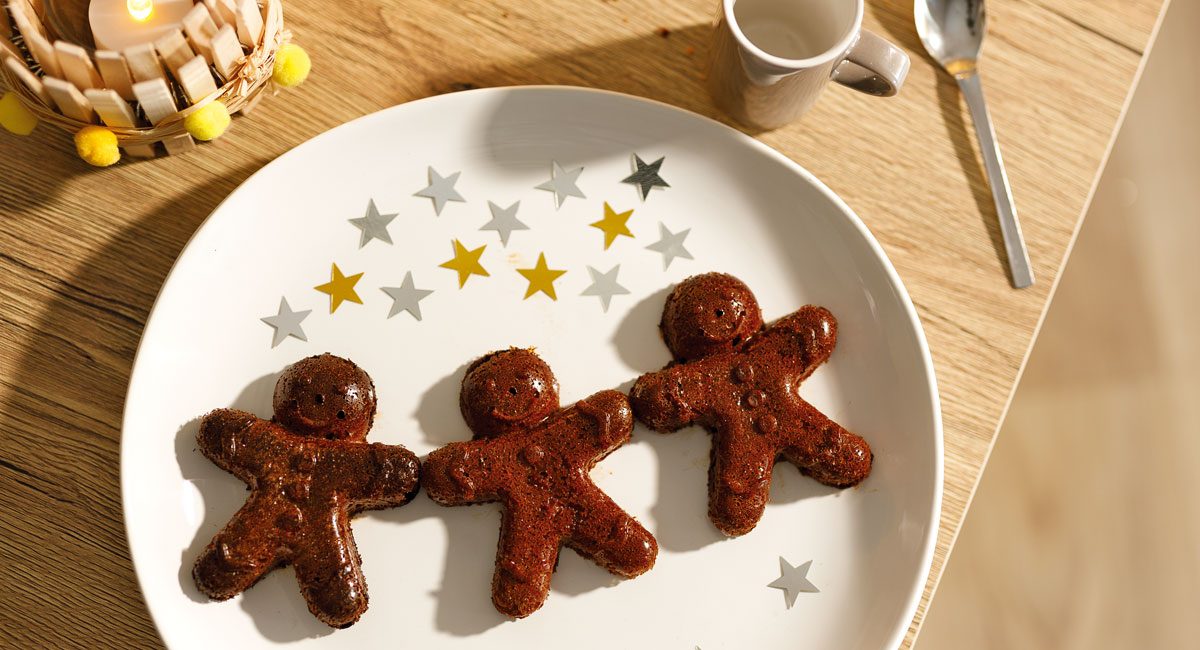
(951, 30)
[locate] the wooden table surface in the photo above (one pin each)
(83, 251)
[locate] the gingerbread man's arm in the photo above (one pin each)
(600, 423)
(530, 537)
(329, 571)
(672, 398)
(825, 450)
(463, 472)
(369, 475)
(611, 537)
(807, 336)
(237, 441)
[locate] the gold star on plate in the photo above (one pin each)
(613, 224)
(340, 288)
(541, 278)
(465, 262)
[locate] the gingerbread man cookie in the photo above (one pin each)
(309, 471)
(740, 381)
(534, 459)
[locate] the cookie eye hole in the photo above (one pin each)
(341, 415)
(512, 391)
(720, 313)
(320, 399)
(296, 404)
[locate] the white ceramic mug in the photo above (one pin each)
(771, 58)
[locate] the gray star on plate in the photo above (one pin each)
(646, 176)
(562, 183)
(604, 285)
(793, 580)
(373, 225)
(441, 190)
(286, 323)
(670, 244)
(406, 297)
(504, 221)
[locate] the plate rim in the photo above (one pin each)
(916, 590)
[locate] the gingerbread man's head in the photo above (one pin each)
(707, 314)
(325, 397)
(507, 391)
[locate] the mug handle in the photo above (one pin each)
(873, 66)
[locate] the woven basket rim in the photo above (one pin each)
(250, 78)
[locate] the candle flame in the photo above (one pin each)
(140, 9)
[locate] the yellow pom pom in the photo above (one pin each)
(97, 146)
(14, 116)
(209, 122)
(291, 66)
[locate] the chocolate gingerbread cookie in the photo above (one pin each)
(534, 459)
(309, 470)
(740, 380)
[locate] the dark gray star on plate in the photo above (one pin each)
(562, 183)
(646, 176)
(441, 190)
(604, 285)
(373, 225)
(286, 323)
(504, 221)
(670, 244)
(406, 297)
(793, 580)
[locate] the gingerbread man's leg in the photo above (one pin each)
(241, 553)
(613, 539)
(329, 570)
(828, 452)
(739, 480)
(526, 557)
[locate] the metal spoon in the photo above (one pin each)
(952, 32)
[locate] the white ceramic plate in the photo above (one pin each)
(751, 212)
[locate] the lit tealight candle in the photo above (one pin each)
(118, 24)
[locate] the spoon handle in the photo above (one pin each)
(1010, 228)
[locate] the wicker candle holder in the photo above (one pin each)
(225, 51)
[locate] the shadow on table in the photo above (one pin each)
(69, 381)
(897, 21)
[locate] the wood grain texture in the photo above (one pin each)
(83, 251)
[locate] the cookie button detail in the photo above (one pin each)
(533, 455)
(754, 399)
(305, 461)
(767, 424)
(290, 518)
(744, 373)
(298, 490)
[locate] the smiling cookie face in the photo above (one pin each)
(708, 314)
(507, 391)
(326, 397)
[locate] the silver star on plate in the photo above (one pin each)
(793, 580)
(373, 225)
(562, 183)
(504, 221)
(646, 176)
(441, 190)
(670, 244)
(406, 297)
(286, 323)
(604, 285)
